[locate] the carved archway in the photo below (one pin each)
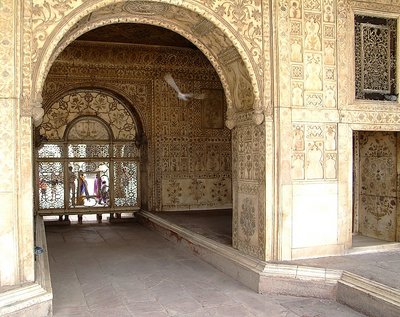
(232, 55)
(235, 53)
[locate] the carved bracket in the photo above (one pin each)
(235, 119)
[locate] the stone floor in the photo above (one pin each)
(127, 270)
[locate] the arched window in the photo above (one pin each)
(89, 162)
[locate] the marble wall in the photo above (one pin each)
(308, 93)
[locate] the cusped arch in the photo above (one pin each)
(105, 88)
(212, 36)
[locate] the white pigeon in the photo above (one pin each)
(183, 96)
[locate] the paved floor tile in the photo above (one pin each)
(127, 270)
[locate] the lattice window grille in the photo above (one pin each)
(375, 58)
(62, 190)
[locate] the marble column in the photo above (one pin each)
(16, 224)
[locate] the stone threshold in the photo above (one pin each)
(34, 299)
(359, 293)
(395, 246)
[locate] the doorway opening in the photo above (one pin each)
(376, 170)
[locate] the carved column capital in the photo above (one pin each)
(230, 121)
(37, 110)
(258, 117)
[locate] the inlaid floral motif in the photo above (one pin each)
(174, 191)
(219, 192)
(197, 189)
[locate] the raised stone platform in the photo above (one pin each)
(290, 278)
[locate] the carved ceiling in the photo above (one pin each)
(136, 33)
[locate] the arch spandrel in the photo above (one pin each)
(194, 21)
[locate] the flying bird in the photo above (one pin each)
(183, 96)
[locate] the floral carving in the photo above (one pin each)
(219, 192)
(247, 16)
(45, 16)
(248, 218)
(197, 189)
(174, 191)
(378, 184)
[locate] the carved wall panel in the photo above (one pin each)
(314, 151)
(308, 47)
(378, 184)
(189, 150)
(192, 154)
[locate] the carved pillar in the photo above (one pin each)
(249, 186)
(16, 228)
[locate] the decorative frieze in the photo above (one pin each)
(370, 118)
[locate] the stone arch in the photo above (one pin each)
(222, 45)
